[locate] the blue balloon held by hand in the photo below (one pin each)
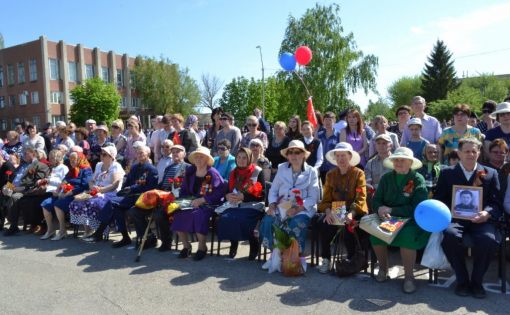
(432, 215)
(288, 61)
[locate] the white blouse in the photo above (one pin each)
(103, 179)
(57, 175)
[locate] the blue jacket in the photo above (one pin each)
(141, 172)
(230, 165)
(81, 182)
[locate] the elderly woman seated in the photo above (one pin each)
(293, 196)
(398, 194)
(345, 187)
(205, 187)
(246, 198)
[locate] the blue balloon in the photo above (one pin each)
(288, 61)
(432, 215)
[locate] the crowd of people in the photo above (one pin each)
(260, 177)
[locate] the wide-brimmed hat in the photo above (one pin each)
(295, 144)
(501, 109)
(402, 153)
(203, 151)
(343, 147)
(110, 150)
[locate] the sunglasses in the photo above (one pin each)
(251, 125)
(115, 127)
(222, 149)
(294, 152)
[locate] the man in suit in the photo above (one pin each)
(480, 228)
(27, 193)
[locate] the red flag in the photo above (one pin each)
(310, 113)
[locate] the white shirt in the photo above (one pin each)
(467, 173)
(56, 177)
(320, 155)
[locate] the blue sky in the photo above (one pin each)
(219, 37)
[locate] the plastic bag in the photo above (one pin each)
(275, 261)
(291, 262)
(433, 256)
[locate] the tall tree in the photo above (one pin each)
(438, 76)
(211, 85)
(188, 95)
(380, 107)
(338, 67)
(403, 90)
(96, 100)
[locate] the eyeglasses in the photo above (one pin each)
(251, 125)
(222, 149)
(294, 152)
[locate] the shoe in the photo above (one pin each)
(254, 249)
(409, 286)
(149, 243)
(47, 235)
(164, 247)
(324, 267)
(478, 291)
(233, 249)
(462, 289)
(11, 231)
(382, 276)
(59, 236)
(185, 252)
(93, 238)
(40, 230)
(123, 242)
(200, 254)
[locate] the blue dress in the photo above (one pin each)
(80, 183)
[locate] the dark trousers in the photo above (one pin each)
(116, 209)
(139, 217)
(484, 238)
(326, 234)
(29, 206)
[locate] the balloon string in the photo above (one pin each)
(302, 81)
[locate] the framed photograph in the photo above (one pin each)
(466, 201)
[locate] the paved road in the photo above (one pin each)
(71, 277)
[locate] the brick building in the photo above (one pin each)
(36, 79)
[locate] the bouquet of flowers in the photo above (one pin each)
(66, 187)
(252, 188)
(175, 185)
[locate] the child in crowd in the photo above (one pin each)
(416, 142)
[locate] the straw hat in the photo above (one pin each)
(343, 147)
(402, 153)
(295, 144)
(203, 151)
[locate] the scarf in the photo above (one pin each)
(81, 164)
(240, 177)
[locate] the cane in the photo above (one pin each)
(144, 238)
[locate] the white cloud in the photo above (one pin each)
(417, 30)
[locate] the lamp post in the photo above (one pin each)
(263, 84)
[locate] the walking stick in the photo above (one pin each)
(144, 238)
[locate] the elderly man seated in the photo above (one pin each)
(174, 170)
(480, 228)
(26, 194)
(143, 176)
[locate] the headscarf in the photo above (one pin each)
(81, 164)
(239, 177)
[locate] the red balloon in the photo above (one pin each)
(303, 55)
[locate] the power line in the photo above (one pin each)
(483, 53)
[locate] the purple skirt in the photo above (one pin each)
(192, 221)
(84, 212)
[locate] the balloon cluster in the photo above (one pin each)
(302, 56)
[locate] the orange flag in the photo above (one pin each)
(310, 112)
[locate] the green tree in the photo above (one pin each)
(96, 100)
(438, 76)
(235, 98)
(403, 90)
(164, 87)
(380, 107)
(338, 67)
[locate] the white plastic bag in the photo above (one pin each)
(275, 261)
(433, 256)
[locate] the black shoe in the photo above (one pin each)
(185, 252)
(11, 231)
(123, 242)
(478, 291)
(165, 247)
(462, 289)
(254, 249)
(233, 249)
(150, 243)
(200, 254)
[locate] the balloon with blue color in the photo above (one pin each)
(288, 61)
(432, 215)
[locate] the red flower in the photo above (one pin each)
(296, 191)
(299, 201)
(8, 173)
(351, 226)
(66, 187)
(408, 188)
(93, 192)
(359, 190)
(170, 180)
(371, 190)
(254, 189)
(178, 179)
(43, 182)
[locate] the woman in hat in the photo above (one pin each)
(293, 196)
(246, 195)
(105, 183)
(252, 123)
(398, 194)
(345, 184)
(205, 186)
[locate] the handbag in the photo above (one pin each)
(384, 230)
(345, 267)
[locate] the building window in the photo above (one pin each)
(23, 98)
(89, 71)
(4, 124)
(2, 101)
(32, 68)
(12, 100)
(21, 73)
(36, 121)
(54, 69)
(57, 97)
(1, 76)
(10, 74)
(34, 97)
(120, 78)
(105, 74)
(73, 72)
(135, 102)
(55, 119)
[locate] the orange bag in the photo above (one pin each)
(291, 262)
(149, 199)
